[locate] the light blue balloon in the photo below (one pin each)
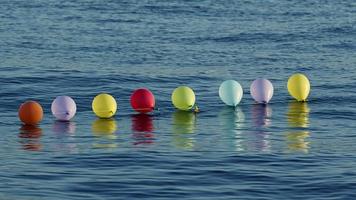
(230, 92)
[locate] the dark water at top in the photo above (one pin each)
(285, 150)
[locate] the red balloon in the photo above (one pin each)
(142, 100)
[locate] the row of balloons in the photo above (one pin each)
(183, 98)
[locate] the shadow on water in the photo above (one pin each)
(232, 121)
(298, 118)
(261, 118)
(104, 131)
(142, 127)
(183, 129)
(30, 137)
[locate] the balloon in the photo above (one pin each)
(104, 106)
(230, 92)
(30, 113)
(142, 100)
(261, 90)
(183, 98)
(299, 87)
(63, 108)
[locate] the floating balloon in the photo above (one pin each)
(299, 87)
(64, 108)
(142, 100)
(230, 92)
(30, 113)
(104, 106)
(183, 98)
(261, 90)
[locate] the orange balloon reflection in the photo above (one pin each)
(30, 137)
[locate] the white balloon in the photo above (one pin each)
(231, 92)
(64, 108)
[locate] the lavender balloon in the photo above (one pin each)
(261, 90)
(64, 108)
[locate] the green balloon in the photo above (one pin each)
(183, 98)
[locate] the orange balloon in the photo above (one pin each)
(30, 113)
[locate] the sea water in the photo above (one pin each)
(284, 150)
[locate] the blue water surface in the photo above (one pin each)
(285, 150)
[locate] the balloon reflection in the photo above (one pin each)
(298, 114)
(30, 137)
(183, 128)
(64, 130)
(296, 141)
(142, 128)
(64, 127)
(232, 120)
(298, 117)
(261, 117)
(105, 132)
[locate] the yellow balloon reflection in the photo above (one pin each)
(298, 114)
(105, 132)
(183, 129)
(296, 141)
(232, 120)
(298, 117)
(30, 137)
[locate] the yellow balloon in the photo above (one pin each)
(299, 87)
(104, 106)
(183, 98)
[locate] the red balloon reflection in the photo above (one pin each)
(142, 128)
